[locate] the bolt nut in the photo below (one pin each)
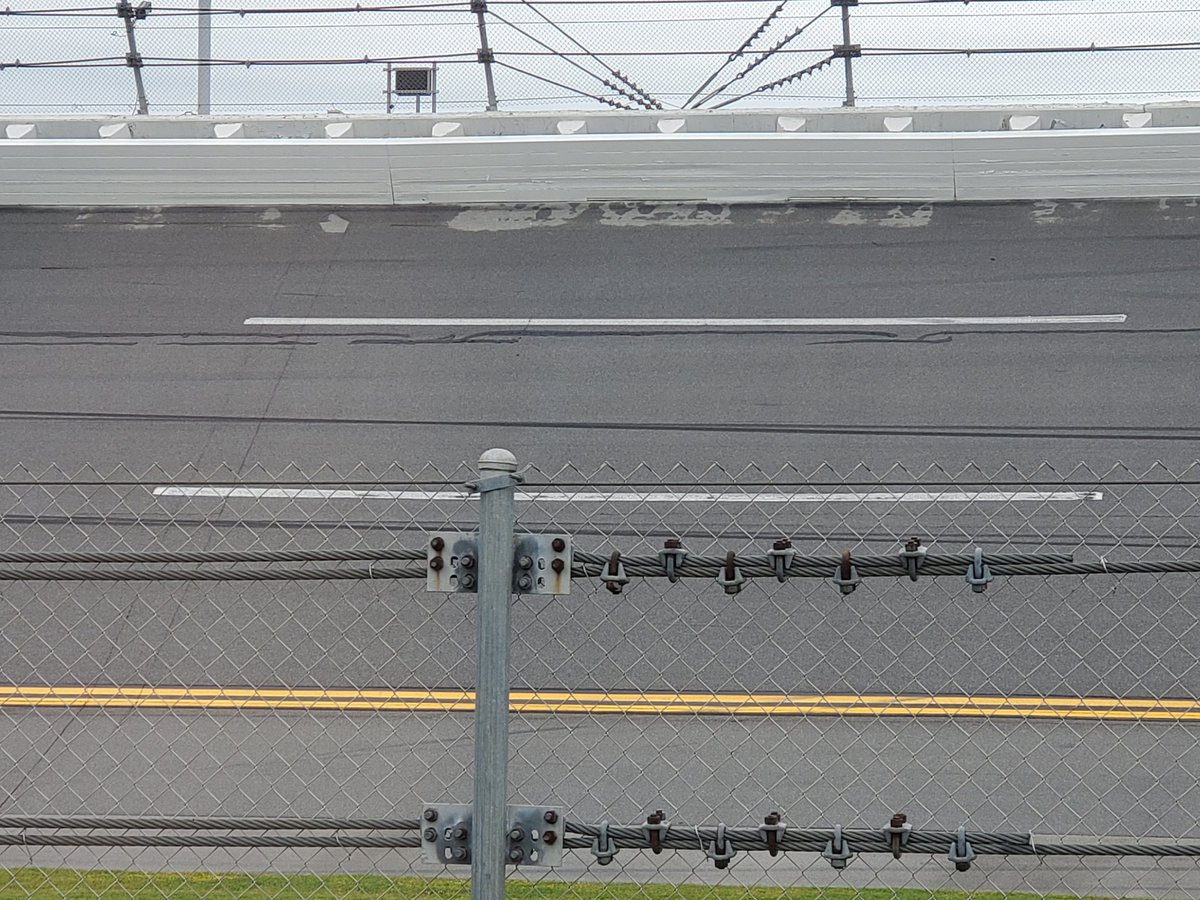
(558, 545)
(460, 833)
(898, 820)
(468, 561)
(438, 544)
(525, 562)
(436, 563)
(782, 544)
(549, 817)
(516, 834)
(430, 834)
(461, 854)
(516, 854)
(468, 581)
(524, 583)
(430, 815)
(672, 544)
(550, 838)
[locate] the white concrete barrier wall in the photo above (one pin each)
(720, 168)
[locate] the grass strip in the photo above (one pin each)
(100, 884)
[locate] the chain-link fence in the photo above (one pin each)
(220, 644)
(310, 56)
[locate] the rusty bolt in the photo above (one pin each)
(468, 562)
(558, 545)
(558, 566)
(782, 544)
(912, 544)
(438, 544)
(431, 834)
(549, 817)
(436, 563)
(672, 544)
(898, 820)
(772, 818)
(430, 815)
(549, 837)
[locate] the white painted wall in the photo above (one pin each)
(721, 168)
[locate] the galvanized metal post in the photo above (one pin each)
(204, 58)
(493, 625)
(133, 59)
(847, 50)
(479, 7)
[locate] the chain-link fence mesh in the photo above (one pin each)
(591, 54)
(1062, 706)
(214, 699)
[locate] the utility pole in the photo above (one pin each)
(846, 50)
(133, 59)
(204, 57)
(479, 7)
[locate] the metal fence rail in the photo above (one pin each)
(758, 678)
(589, 54)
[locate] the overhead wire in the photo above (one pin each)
(780, 82)
(763, 57)
(746, 44)
(566, 57)
(649, 101)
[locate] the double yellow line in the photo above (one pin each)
(418, 700)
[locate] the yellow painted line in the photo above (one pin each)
(608, 702)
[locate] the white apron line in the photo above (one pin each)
(867, 322)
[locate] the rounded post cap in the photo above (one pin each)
(497, 460)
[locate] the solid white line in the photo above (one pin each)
(258, 493)
(879, 321)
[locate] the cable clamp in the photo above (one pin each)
(898, 832)
(498, 482)
(846, 577)
(913, 557)
(672, 556)
(603, 847)
(614, 577)
(730, 577)
(720, 851)
(961, 852)
(979, 576)
(782, 554)
(656, 829)
(773, 830)
(838, 851)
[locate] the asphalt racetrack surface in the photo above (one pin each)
(124, 348)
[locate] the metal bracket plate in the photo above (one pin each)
(446, 834)
(535, 835)
(542, 564)
(452, 561)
